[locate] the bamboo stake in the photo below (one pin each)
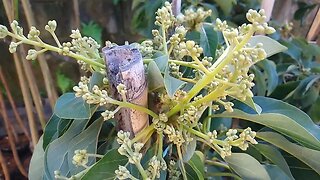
(24, 86)
(11, 137)
(267, 5)
(4, 167)
(49, 84)
(315, 27)
(76, 13)
(13, 105)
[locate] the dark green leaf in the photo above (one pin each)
(105, 167)
(96, 79)
(195, 166)
(274, 156)
(276, 173)
(269, 45)
(208, 40)
(314, 111)
(246, 166)
(51, 131)
(87, 140)
(70, 107)
(55, 157)
(308, 156)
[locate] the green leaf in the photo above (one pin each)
(155, 78)
(208, 40)
(226, 5)
(172, 84)
(269, 45)
(70, 107)
(87, 140)
(308, 156)
(96, 79)
(53, 129)
(37, 162)
(195, 166)
(188, 150)
(162, 62)
(269, 69)
(274, 156)
(314, 111)
(105, 167)
(55, 157)
(276, 173)
(246, 166)
(283, 118)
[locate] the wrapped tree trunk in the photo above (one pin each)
(125, 66)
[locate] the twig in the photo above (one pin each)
(52, 93)
(10, 137)
(13, 105)
(4, 167)
(23, 85)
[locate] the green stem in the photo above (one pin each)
(143, 133)
(203, 136)
(201, 66)
(215, 163)
(184, 175)
(164, 41)
(58, 50)
(216, 68)
(134, 106)
(142, 171)
(160, 145)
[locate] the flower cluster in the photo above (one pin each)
(160, 123)
(165, 16)
(174, 172)
(155, 166)
(194, 19)
(175, 136)
(132, 151)
(80, 158)
(232, 139)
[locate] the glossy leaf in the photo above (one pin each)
(161, 61)
(37, 162)
(283, 118)
(96, 79)
(208, 40)
(105, 167)
(269, 45)
(53, 129)
(87, 140)
(70, 107)
(155, 78)
(275, 157)
(195, 166)
(188, 150)
(308, 156)
(56, 153)
(246, 166)
(172, 84)
(276, 173)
